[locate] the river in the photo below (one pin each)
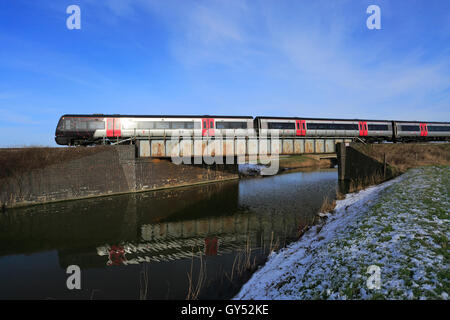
(193, 242)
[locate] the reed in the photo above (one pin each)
(143, 282)
(242, 262)
(195, 288)
(339, 195)
(327, 205)
(357, 185)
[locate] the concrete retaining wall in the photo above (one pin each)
(357, 170)
(353, 164)
(362, 162)
(112, 171)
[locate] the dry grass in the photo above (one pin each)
(195, 288)
(303, 161)
(292, 162)
(360, 184)
(16, 161)
(327, 205)
(339, 195)
(405, 156)
(302, 227)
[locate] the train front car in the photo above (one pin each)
(91, 129)
(410, 131)
(79, 129)
(309, 127)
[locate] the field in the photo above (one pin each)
(405, 156)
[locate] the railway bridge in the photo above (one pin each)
(240, 147)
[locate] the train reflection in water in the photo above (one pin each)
(112, 238)
(212, 236)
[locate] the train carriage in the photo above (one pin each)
(421, 131)
(317, 127)
(91, 129)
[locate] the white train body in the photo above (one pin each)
(92, 129)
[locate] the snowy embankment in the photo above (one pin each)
(401, 227)
(248, 169)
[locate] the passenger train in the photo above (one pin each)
(98, 128)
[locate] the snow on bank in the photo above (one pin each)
(249, 169)
(401, 226)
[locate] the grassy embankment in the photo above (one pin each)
(402, 227)
(16, 161)
(406, 234)
(404, 231)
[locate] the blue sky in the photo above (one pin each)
(283, 58)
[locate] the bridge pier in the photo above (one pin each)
(340, 152)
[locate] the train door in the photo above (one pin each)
(394, 131)
(300, 126)
(423, 130)
(117, 128)
(211, 127)
(208, 127)
(113, 128)
(362, 126)
(205, 126)
(110, 127)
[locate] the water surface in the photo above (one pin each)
(148, 245)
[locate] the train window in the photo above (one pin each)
(197, 125)
(318, 126)
(81, 125)
(231, 125)
(129, 125)
(184, 125)
(438, 128)
(344, 126)
(177, 125)
(145, 125)
(192, 125)
(66, 124)
(282, 125)
(94, 125)
(332, 126)
(409, 128)
(162, 125)
(378, 127)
